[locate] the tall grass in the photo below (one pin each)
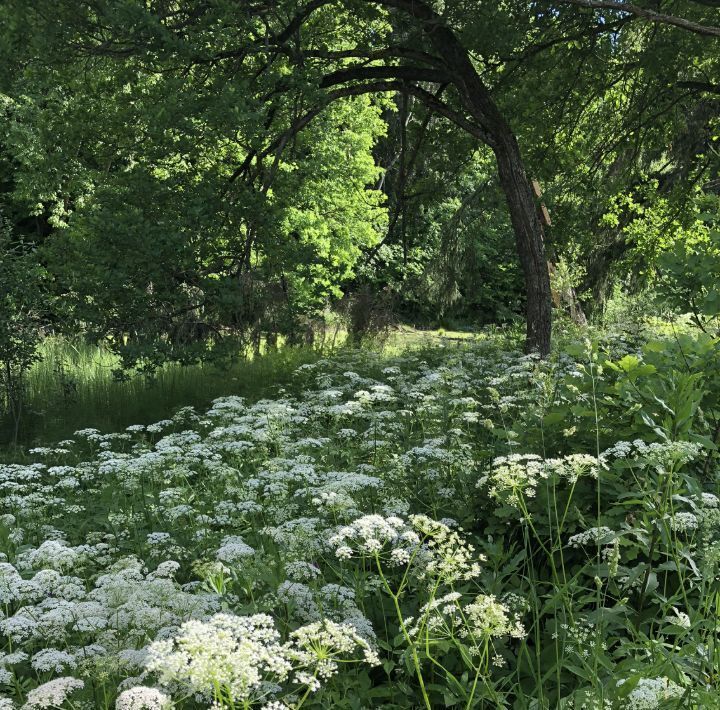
(72, 387)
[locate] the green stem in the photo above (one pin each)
(406, 636)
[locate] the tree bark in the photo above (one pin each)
(528, 242)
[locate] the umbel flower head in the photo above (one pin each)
(487, 617)
(372, 534)
(142, 698)
(433, 547)
(319, 646)
(518, 476)
(225, 658)
(653, 693)
(230, 659)
(482, 619)
(53, 693)
(446, 556)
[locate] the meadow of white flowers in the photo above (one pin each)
(447, 528)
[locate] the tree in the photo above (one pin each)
(449, 62)
(617, 113)
(216, 120)
(297, 59)
(21, 317)
(156, 245)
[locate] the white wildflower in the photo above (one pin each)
(320, 645)
(651, 693)
(142, 698)
(487, 617)
(52, 659)
(227, 654)
(233, 549)
(684, 522)
(52, 694)
(592, 536)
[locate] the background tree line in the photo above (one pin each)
(175, 173)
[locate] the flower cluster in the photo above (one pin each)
(233, 659)
(481, 619)
(226, 659)
(653, 694)
(431, 547)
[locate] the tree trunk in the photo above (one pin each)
(476, 98)
(528, 241)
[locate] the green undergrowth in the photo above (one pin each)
(73, 386)
(459, 525)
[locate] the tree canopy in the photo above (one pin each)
(190, 169)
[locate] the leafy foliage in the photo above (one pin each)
(690, 269)
(21, 316)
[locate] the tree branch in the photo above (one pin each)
(403, 73)
(474, 95)
(296, 23)
(370, 87)
(391, 52)
(705, 86)
(441, 108)
(644, 13)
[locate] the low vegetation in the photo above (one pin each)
(74, 385)
(455, 526)
(359, 354)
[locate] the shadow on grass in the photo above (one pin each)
(73, 387)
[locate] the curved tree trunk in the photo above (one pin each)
(448, 63)
(478, 102)
(528, 241)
